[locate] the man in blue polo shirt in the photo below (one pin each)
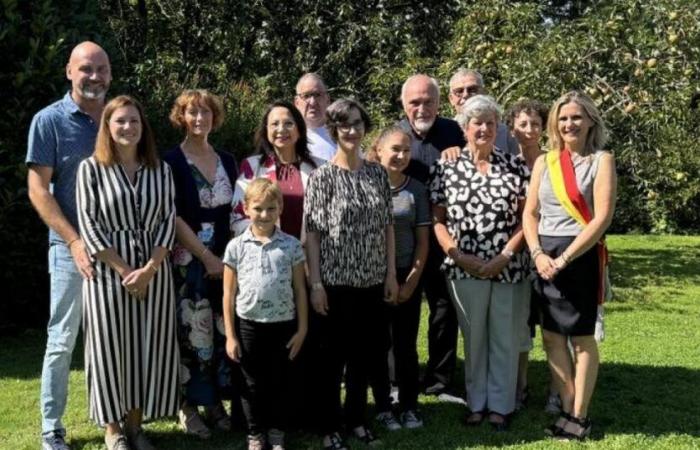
(431, 134)
(60, 137)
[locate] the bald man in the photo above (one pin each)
(431, 134)
(60, 137)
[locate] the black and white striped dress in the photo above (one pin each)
(131, 353)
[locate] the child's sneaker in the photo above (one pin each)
(388, 421)
(256, 442)
(410, 419)
(275, 438)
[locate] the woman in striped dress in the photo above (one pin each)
(126, 213)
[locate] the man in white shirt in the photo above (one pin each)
(465, 84)
(311, 100)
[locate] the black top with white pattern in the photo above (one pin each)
(350, 211)
(482, 209)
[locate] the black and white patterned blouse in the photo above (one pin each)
(482, 209)
(350, 211)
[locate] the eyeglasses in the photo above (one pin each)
(288, 125)
(358, 125)
(306, 96)
(470, 90)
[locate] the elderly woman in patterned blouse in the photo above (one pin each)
(477, 203)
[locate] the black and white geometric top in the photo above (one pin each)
(350, 211)
(482, 209)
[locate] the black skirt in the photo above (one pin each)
(569, 302)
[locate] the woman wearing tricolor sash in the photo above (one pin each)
(569, 206)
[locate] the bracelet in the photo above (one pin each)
(203, 252)
(507, 253)
(317, 286)
(565, 257)
(536, 252)
(150, 265)
(68, 244)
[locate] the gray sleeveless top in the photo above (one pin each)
(554, 220)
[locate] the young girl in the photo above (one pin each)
(392, 149)
(264, 285)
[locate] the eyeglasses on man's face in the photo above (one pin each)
(307, 96)
(469, 90)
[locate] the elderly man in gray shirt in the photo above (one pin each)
(465, 84)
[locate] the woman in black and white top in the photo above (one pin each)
(350, 245)
(477, 201)
(126, 212)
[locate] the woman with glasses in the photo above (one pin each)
(281, 155)
(350, 246)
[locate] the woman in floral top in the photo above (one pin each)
(477, 201)
(204, 181)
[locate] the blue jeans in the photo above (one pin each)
(64, 324)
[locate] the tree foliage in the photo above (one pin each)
(638, 60)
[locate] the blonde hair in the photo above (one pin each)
(262, 189)
(597, 135)
(106, 152)
(197, 97)
(372, 154)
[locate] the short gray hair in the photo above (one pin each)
(462, 72)
(478, 106)
(433, 82)
(313, 76)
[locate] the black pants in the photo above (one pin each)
(265, 366)
(401, 364)
(442, 321)
(355, 339)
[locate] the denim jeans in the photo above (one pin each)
(64, 323)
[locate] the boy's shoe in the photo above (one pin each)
(387, 420)
(553, 405)
(411, 419)
(256, 442)
(275, 438)
(54, 441)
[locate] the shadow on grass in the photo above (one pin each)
(633, 268)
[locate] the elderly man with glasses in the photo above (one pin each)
(312, 100)
(466, 83)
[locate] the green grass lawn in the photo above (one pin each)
(648, 393)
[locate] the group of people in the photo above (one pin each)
(201, 281)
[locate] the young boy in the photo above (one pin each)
(264, 285)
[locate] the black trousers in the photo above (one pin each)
(442, 321)
(401, 364)
(265, 366)
(355, 339)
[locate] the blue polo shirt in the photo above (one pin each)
(61, 136)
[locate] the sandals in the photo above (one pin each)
(191, 423)
(575, 430)
(501, 424)
(475, 418)
(335, 443)
(557, 427)
(363, 434)
(216, 415)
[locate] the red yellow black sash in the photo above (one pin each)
(563, 179)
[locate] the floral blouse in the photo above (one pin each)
(482, 209)
(210, 196)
